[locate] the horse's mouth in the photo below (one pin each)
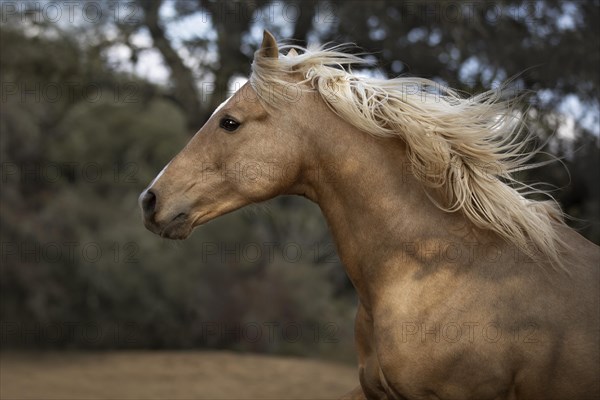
(178, 228)
(182, 225)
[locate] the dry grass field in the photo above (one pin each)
(170, 375)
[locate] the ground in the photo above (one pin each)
(170, 375)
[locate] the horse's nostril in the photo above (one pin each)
(149, 203)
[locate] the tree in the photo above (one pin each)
(128, 128)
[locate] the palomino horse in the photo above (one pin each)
(467, 289)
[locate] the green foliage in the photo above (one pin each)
(72, 171)
(74, 164)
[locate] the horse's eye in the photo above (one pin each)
(229, 124)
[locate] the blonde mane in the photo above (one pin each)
(465, 149)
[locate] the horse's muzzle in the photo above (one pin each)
(172, 227)
(147, 202)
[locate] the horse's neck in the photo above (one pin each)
(375, 207)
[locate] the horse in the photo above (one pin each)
(468, 288)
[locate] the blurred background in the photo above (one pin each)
(97, 96)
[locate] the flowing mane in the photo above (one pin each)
(464, 150)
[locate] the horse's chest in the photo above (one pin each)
(439, 351)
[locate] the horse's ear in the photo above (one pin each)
(292, 53)
(269, 48)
